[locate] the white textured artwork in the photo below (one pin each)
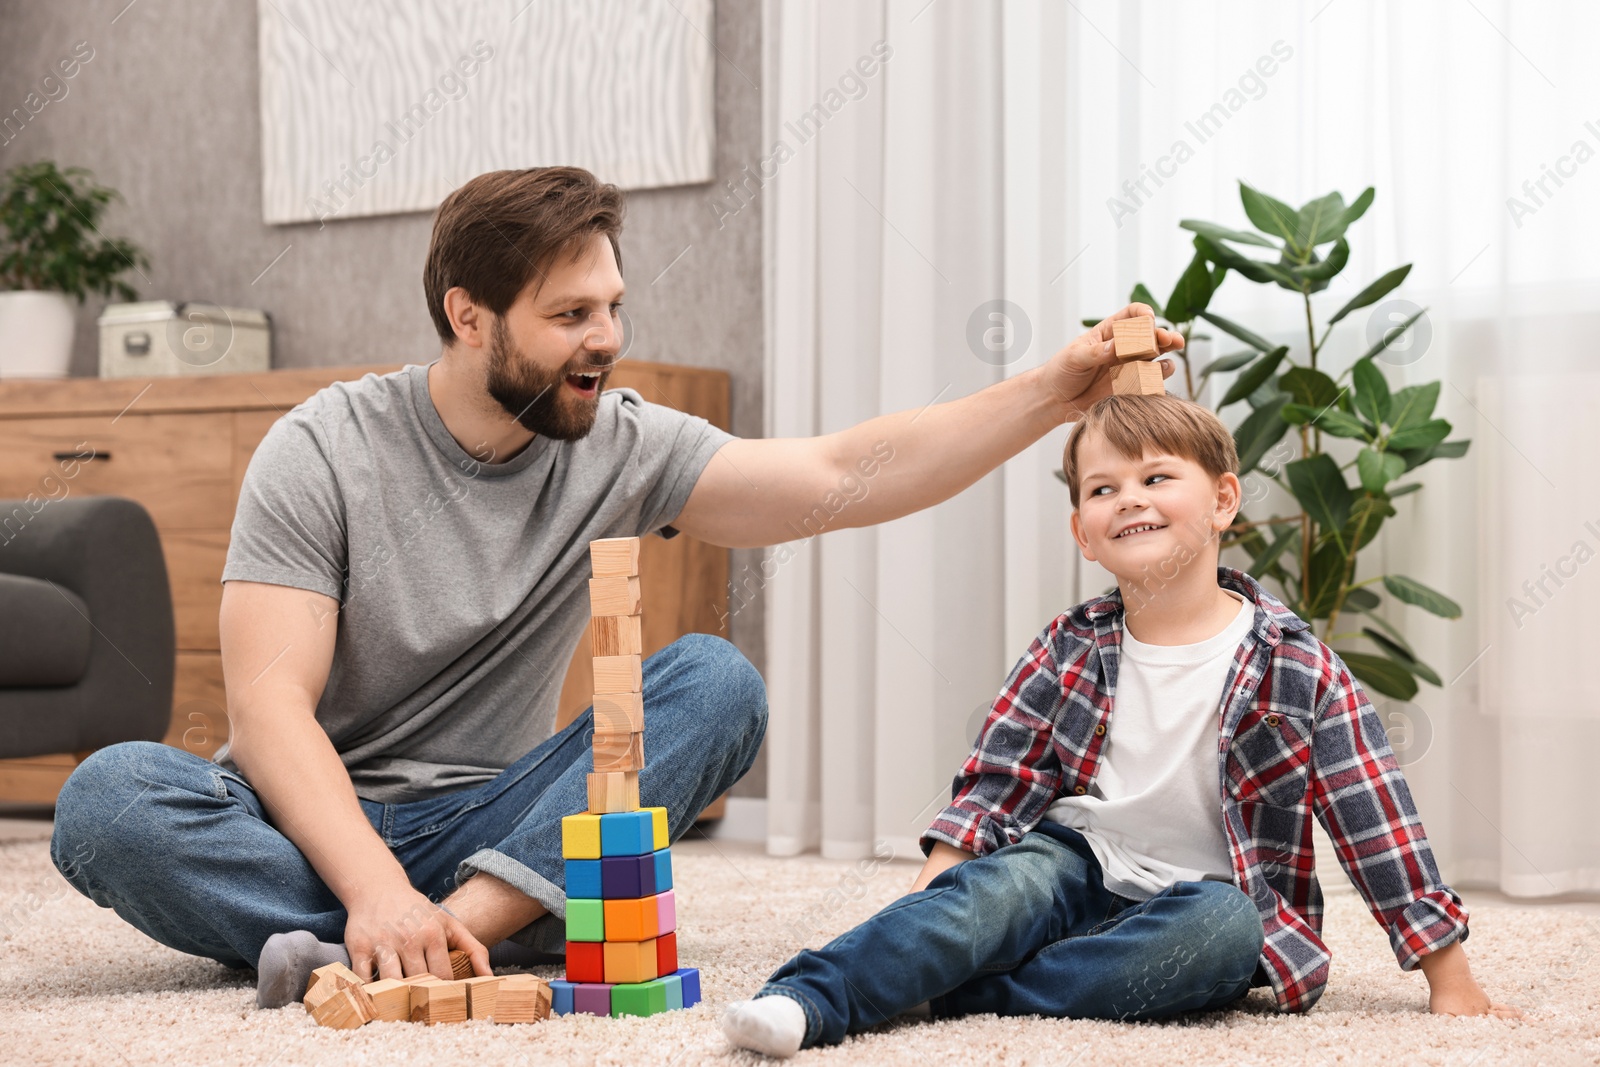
(370, 109)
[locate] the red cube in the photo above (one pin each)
(586, 961)
(667, 953)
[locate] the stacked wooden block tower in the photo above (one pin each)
(622, 942)
(1134, 341)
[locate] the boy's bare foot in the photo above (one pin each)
(773, 1025)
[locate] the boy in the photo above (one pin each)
(1130, 838)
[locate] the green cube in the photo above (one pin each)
(639, 998)
(586, 920)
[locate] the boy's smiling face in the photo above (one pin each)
(1151, 514)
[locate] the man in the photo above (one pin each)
(405, 583)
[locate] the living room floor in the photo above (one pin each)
(83, 987)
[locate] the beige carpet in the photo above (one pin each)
(80, 986)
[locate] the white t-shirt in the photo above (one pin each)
(1154, 813)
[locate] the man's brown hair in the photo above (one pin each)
(502, 229)
(1134, 425)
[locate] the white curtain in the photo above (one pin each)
(1043, 154)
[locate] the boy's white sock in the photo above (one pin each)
(774, 1025)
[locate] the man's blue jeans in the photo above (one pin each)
(184, 851)
(1030, 929)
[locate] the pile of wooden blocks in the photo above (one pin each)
(622, 942)
(1135, 343)
(336, 997)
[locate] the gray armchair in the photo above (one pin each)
(87, 645)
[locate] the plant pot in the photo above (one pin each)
(35, 334)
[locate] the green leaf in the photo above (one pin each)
(1272, 216)
(1321, 220)
(1450, 449)
(1381, 674)
(1413, 405)
(1309, 387)
(1402, 655)
(1372, 391)
(1299, 414)
(1256, 435)
(1366, 518)
(1141, 295)
(1228, 326)
(1362, 599)
(1091, 322)
(1404, 489)
(1192, 293)
(1254, 377)
(1429, 433)
(1327, 574)
(1340, 424)
(1414, 592)
(1257, 270)
(1319, 485)
(1378, 469)
(1214, 233)
(1394, 334)
(1262, 563)
(1232, 361)
(1374, 292)
(1321, 271)
(1357, 208)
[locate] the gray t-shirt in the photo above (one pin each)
(463, 584)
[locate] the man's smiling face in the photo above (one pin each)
(551, 354)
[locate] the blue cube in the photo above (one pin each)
(689, 979)
(583, 879)
(662, 861)
(561, 997)
(627, 833)
(674, 986)
(627, 877)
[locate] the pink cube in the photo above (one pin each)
(666, 913)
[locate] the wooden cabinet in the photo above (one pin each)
(180, 446)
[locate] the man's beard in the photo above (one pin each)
(534, 397)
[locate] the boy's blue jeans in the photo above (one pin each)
(184, 851)
(1030, 930)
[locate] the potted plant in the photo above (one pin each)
(51, 248)
(1358, 438)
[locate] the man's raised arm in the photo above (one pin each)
(277, 650)
(758, 492)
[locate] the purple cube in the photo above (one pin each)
(594, 998)
(627, 877)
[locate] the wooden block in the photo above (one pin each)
(614, 557)
(1135, 338)
(349, 1008)
(618, 674)
(618, 752)
(618, 713)
(1141, 377)
(482, 992)
(615, 635)
(613, 596)
(325, 982)
(391, 999)
(613, 791)
(460, 964)
(522, 998)
(439, 1002)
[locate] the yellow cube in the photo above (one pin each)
(580, 837)
(658, 822)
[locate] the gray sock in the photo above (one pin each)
(287, 961)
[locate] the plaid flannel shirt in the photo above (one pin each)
(1297, 737)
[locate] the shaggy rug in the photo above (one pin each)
(80, 986)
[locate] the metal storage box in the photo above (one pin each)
(165, 337)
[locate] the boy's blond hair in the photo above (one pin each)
(1133, 425)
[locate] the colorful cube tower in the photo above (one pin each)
(622, 944)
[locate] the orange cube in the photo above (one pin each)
(630, 961)
(631, 919)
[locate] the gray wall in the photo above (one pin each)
(167, 112)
